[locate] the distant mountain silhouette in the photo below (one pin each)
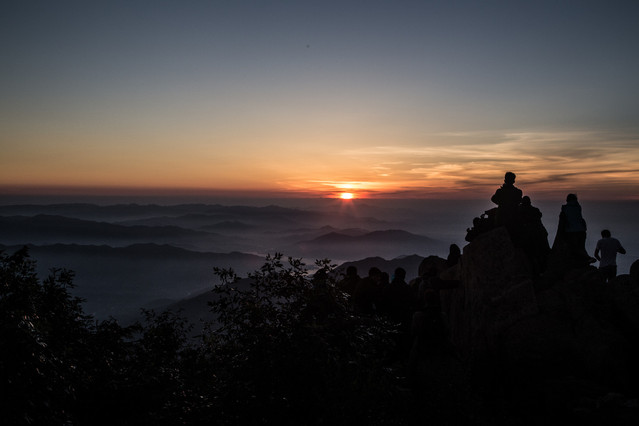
(97, 212)
(229, 226)
(307, 234)
(196, 309)
(48, 228)
(118, 281)
(388, 244)
(132, 255)
(196, 215)
(384, 237)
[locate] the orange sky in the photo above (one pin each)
(452, 166)
(410, 99)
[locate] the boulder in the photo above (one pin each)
(634, 272)
(496, 292)
(525, 343)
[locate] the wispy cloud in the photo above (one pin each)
(545, 162)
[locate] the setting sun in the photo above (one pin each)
(346, 196)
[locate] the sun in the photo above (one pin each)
(346, 196)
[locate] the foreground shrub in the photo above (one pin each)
(285, 349)
(292, 350)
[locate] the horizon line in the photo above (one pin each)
(90, 191)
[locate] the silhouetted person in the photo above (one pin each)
(471, 233)
(450, 276)
(481, 224)
(348, 284)
(399, 276)
(608, 247)
(368, 291)
(399, 300)
(399, 304)
(573, 228)
(507, 198)
(528, 213)
(534, 235)
(428, 275)
(454, 255)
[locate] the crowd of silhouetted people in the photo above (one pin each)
(522, 220)
(415, 306)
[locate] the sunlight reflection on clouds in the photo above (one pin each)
(546, 162)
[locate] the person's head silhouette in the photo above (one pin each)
(351, 271)
(571, 198)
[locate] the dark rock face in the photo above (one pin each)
(496, 292)
(547, 348)
(634, 272)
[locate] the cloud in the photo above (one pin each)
(546, 162)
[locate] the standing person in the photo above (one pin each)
(507, 197)
(348, 284)
(608, 247)
(366, 295)
(573, 226)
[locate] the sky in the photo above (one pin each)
(314, 98)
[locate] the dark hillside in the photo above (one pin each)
(385, 243)
(43, 229)
(117, 281)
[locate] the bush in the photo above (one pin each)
(291, 350)
(42, 331)
(287, 349)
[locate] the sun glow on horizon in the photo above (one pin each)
(346, 196)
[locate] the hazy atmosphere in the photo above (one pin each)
(313, 98)
(296, 212)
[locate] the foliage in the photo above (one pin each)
(42, 328)
(293, 351)
(58, 366)
(287, 349)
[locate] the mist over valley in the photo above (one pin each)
(128, 256)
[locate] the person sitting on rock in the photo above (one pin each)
(507, 198)
(608, 247)
(481, 224)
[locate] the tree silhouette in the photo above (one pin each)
(287, 349)
(293, 350)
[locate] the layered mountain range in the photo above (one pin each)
(130, 256)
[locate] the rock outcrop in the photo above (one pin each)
(546, 346)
